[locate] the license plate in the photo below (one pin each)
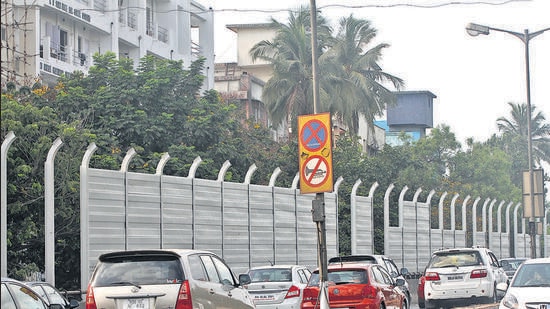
(136, 303)
(266, 298)
(455, 278)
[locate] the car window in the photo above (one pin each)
(39, 290)
(302, 275)
(210, 269)
(382, 276)
(532, 275)
(455, 259)
(493, 259)
(139, 270)
(53, 296)
(391, 268)
(26, 298)
(226, 277)
(271, 275)
(7, 299)
(197, 269)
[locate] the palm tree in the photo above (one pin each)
(515, 128)
(353, 79)
(350, 79)
(289, 91)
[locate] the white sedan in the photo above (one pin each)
(530, 287)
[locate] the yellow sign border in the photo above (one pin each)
(325, 152)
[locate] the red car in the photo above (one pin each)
(358, 286)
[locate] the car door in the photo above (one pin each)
(387, 284)
(498, 272)
(222, 285)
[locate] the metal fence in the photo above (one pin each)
(250, 224)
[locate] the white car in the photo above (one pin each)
(455, 277)
(530, 287)
(278, 286)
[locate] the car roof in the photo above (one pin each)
(462, 249)
(537, 261)
(277, 266)
(356, 258)
(6, 279)
(152, 252)
(350, 265)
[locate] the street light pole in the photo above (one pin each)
(525, 37)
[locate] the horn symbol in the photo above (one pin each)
(318, 173)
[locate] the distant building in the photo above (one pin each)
(43, 39)
(413, 113)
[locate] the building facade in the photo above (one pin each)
(43, 39)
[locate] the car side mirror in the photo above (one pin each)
(244, 279)
(399, 282)
(404, 271)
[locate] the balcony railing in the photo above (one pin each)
(162, 34)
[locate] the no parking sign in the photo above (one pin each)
(315, 153)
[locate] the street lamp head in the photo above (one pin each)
(475, 29)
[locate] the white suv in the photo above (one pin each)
(462, 275)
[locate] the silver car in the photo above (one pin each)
(160, 278)
(278, 286)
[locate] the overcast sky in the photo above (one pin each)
(473, 78)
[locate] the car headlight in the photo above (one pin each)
(510, 301)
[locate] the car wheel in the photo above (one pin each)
(421, 303)
(405, 304)
(430, 304)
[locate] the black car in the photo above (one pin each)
(52, 295)
(17, 295)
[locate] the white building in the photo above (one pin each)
(43, 39)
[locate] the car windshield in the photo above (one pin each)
(139, 272)
(511, 264)
(455, 259)
(271, 275)
(532, 275)
(344, 276)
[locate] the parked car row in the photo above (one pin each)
(182, 279)
(33, 295)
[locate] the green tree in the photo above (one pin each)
(351, 81)
(514, 130)
(36, 129)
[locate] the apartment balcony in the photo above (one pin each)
(80, 12)
(56, 60)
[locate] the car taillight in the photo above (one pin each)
(369, 292)
(184, 297)
(478, 273)
(311, 294)
(293, 291)
(90, 300)
(432, 276)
